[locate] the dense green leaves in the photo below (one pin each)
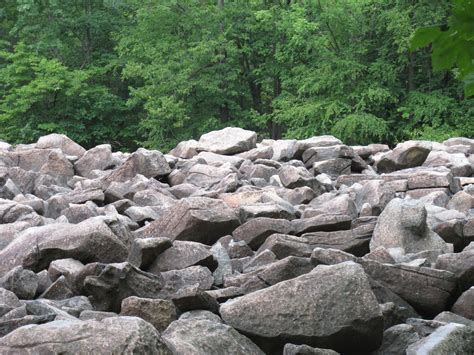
(452, 43)
(155, 72)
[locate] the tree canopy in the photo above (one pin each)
(154, 72)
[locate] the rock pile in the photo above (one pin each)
(229, 246)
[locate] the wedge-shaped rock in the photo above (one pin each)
(88, 241)
(330, 307)
(115, 335)
(199, 219)
(201, 332)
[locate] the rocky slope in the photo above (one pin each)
(229, 246)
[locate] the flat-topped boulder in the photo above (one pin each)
(230, 140)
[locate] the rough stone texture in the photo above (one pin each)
(464, 305)
(99, 157)
(201, 332)
(119, 335)
(62, 142)
(461, 265)
(230, 140)
(144, 251)
(87, 241)
(159, 313)
(304, 246)
(181, 255)
(199, 219)
(289, 310)
(405, 155)
(144, 162)
(451, 338)
(118, 281)
(402, 225)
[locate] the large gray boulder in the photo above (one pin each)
(115, 335)
(230, 140)
(199, 219)
(88, 241)
(402, 226)
(330, 307)
(201, 332)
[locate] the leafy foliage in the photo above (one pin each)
(155, 72)
(453, 43)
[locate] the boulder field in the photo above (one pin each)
(235, 245)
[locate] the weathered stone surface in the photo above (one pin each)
(23, 283)
(181, 255)
(343, 240)
(402, 225)
(427, 290)
(228, 220)
(458, 163)
(144, 251)
(97, 158)
(159, 313)
(464, 305)
(405, 155)
(230, 140)
(292, 177)
(201, 332)
(321, 223)
(198, 219)
(117, 335)
(193, 276)
(290, 310)
(291, 349)
(62, 142)
(451, 338)
(149, 163)
(255, 231)
(460, 264)
(87, 241)
(397, 339)
(115, 282)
